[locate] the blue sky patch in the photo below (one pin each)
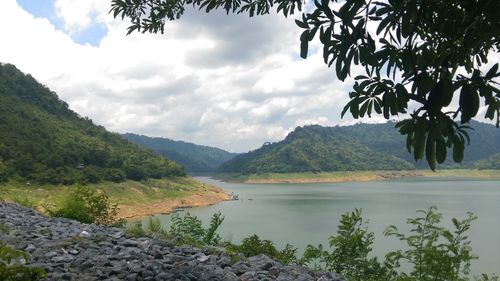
(45, 9)
(91, 35)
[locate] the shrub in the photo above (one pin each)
(114, 175)
(153, 229)
(11, 268)
(4, 174)
(253, 245)
(135, 172)
(350, 249)
(136, 230)
(92, 174)
(190, 230)
(88, 206)
(436, 253)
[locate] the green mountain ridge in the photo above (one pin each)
(195, 158)
(315, 148)
(492, 162)
(42, 140)
(485, 141)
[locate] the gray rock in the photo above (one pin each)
(84, 234)
(66, 258)
(240, 268)
(202, 258)
(229, 276)
(68, 250)
(274, 271)
(30, 248)
(129, 243)
(131, 277)
(262, 262)
(247, 275)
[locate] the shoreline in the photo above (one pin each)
(167, 206)
(357, 176)
(134, 199)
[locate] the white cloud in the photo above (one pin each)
(227, 81)
(77, 15)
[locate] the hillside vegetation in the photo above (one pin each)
(41, 140)
(313, 149)
(485, 141)
(361, 147)
(492, 162)
(195, 158)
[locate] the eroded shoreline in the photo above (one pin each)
(358, 176)
(166, 206)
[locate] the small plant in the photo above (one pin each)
(152, 229)
(436, 253)
(135, 230)
(191, 231)
(11, 268)
(485, 277)
(88, 206)
(253, 245)
(4, 228)
(350, 249)
(25, 201)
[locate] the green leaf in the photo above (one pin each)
(440, 150)
(458, 149)
(304, 45)
(492, 72)
(302, 24)
(430, 151)
(468, 102)
(419, 140)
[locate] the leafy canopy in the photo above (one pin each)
(418, 52)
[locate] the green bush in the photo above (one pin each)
(4, 174)
(11, 268)
(349, 254)
(136, 230)
(114, 175)
(88, 206)
(92, 174)
(191, 231)
(253, 245)
(435, 252)
(152, 229)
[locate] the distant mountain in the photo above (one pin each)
(313, 149)
(42, 140)
(485, 141)
(492, 162)
(357, 147)
(195, 158)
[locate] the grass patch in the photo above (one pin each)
(43, 197)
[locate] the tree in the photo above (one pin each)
(423, 52)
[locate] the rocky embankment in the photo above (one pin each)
(69, 250)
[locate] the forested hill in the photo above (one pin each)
(195, 158)
(42, 140)
(357, 147)
(485, 141)
(492, 162)
(316, 149)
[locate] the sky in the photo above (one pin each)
(227, 81)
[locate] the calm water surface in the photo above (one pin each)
(302, 214)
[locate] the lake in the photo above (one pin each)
(302, 214)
